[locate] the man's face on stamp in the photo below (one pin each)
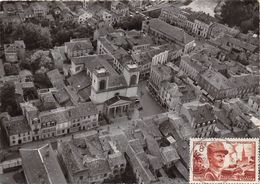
(216, 160)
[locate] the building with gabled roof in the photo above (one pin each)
(17, 130)
(201, 117)
(89, 160)
(161, 29)
(40, 165)
(14, 51)
(78, 47)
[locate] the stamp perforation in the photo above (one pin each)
(243, 140)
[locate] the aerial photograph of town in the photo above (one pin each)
(129, 92)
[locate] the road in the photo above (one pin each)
(150, 106)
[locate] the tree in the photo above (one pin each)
(243, 14)
(41, 59)
(34, 36)
(41, 80)
(131, 23)
(26, 64)
(11, 69)
(8, 99)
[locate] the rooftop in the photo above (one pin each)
(41, 166)
(162, 70)
(201, 113)
(85, 155)
(56, 78)
(216, 79)
(173, 32)
(80, 80)
(17, 125)
(79, 44)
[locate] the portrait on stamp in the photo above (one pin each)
(224, 161)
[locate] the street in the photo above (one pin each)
(150, 106)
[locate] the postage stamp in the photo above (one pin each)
(229, 160)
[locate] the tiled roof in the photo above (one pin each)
(85, 155)
(17, 125)
(202, 113)
(182, 148)
(139, 161)
(80, 80)
(76, 45)
(61, 96)
(162, 70)
(182, 169)
(216, 79)
(134, 40)
(56, 78)
(255, 99)
(91, 63)
(61, 115)
(41, 166)
(169, 154)
(173, 32)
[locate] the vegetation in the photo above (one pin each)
(8, 99)
(130, 23)
(243, 14)
(34, 36)
(11, 69)
(62, 32)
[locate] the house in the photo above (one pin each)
(220, 86)
(254, 103)
(17, 130)
(10, 161)
(233, 115)
(56, 79)
(198, 23)
(66, 15)
(115, 45)
(201, 117)
(102, 31)
(39, 9)
(158, 74)
(120, 8)
(217, 29)
(146, 59)
(162, 30)
(229, 43)
(139, 161)
(78, 47)
(9, 9)
(137, 41)
(58, 112)
(15, 51)
(40, 164)
(172, 95)
(84, 15)
(88, 160)
(58, 56)
(107, 17)
(26, 14)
